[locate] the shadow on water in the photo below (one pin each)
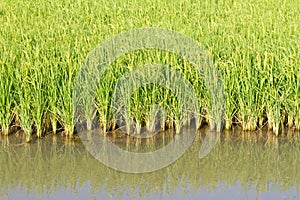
(242, 165)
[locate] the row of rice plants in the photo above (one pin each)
(255, 46)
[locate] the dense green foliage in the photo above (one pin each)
(255, 45)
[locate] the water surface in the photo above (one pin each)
(242, 166)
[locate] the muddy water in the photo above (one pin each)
(241, 166)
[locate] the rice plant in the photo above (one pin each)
(6, 99)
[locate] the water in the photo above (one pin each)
(241, 166)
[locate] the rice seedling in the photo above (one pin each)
(52, 97)
(38, 101)
(65, 102)
(6, 99)
(23, 110)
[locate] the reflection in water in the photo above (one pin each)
(242, 165)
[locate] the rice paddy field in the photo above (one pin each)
(254, 44)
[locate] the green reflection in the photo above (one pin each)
(255, 161)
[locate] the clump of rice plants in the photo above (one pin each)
(6, 99)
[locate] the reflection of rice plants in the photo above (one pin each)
(71, 158)
(43, 45)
